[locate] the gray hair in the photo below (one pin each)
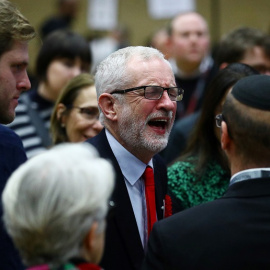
(51, 202)
(112, 72)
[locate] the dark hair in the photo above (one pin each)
(249, 129)
(234, 45)
(266, 46)
(203, 141)
(62, 44)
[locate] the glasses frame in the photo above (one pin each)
(219, 118)
(81, 111)
(179, 97)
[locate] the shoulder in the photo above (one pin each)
(201, 213)
(181, 180)
(9, 138)
(100, 141)
(179, 169)
(12, 154)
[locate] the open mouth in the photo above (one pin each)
(159, 125)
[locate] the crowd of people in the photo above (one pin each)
(160, 160)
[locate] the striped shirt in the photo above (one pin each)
(23, 124)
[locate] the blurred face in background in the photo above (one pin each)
(189, 40)
(59, 72)
(256, 58)
(160, 41)
(81, 123)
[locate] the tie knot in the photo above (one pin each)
(148, 176)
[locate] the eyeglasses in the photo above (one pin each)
(219, 118)
(90, 113)
(154, 92)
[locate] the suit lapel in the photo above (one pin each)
(123, 212)
(160, 175)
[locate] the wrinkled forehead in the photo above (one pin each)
(150, 71)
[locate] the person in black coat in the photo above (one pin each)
(137, 97)
(232, 232)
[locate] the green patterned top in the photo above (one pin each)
(187, 190)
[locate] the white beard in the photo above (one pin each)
(133, 132)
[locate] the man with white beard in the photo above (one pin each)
(137, 97)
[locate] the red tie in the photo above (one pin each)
(150, 197)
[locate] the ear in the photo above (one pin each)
(60, 109)
(107, 104)
(223, 65)
(226, 140)
(89, 240)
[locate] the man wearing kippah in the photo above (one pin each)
(232, 232)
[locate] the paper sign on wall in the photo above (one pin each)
(102, 14)
(163, 9)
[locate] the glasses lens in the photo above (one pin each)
(173, 93)
(153, 92)
(218, 120)
(89, 112)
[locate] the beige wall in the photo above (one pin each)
(222, 16)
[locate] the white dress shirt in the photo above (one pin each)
(132, 169)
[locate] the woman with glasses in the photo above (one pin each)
(201, 173)
(63, 55)
(75, 117)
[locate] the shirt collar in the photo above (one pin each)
(132, 168)
(249, 174)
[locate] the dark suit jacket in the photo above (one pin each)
(229, 233)
(12, 155)
(123, 247)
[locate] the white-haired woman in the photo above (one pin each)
(55, 207)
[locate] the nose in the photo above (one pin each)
(76, 71)
(193, 37)
(165, 103)
(24, 83)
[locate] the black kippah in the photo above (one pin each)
(253, 91)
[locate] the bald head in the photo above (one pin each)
(185, 20)
(189, 39)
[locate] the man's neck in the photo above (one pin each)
(142, 155)
(188, 69)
